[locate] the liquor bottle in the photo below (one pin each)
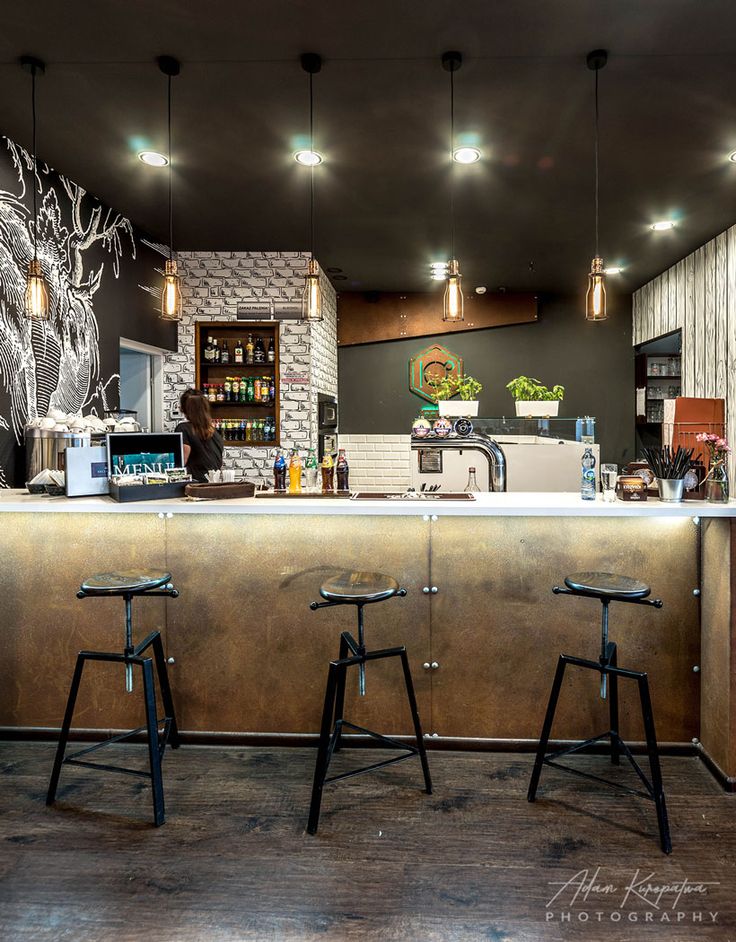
(279, 472)
(311, 470)
(250, 394)
(328, 472)
(265, 397)
(208, 350)
(472, 486)
(239, 353)
(342, 469)
(295, 472)
(228, 389)
(249, 350)
(248, 430)
(220, 393)
(587, 484)
(236, 389)
(271, 355)
(257, 389)
(215, 352)
(225, 354)
(259, 351)
(243, 389)
(272, 389)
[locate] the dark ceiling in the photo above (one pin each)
(524, 215)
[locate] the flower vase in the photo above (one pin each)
(716, 484)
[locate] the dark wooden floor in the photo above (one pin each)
(473, 861)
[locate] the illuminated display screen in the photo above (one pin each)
(138, 453)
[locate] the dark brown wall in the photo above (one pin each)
(595, 363)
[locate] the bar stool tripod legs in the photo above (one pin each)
(594, 585)
(159, 733)
(359, 589)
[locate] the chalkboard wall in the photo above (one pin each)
(594, 362)
(104, 279)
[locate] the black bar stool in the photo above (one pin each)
(607, 588)
(359, 589)
(127, 583)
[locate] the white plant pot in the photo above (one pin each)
(525, 407)
(458, 408)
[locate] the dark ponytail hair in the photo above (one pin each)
(197, 410)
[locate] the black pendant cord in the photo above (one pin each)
(597, 254)
(311, 167)
(171, 200)
(452, 164)
(35, 164)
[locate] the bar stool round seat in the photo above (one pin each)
(607, 585)
(360, 588)
(122, 581)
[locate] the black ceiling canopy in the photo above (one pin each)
(524, 212)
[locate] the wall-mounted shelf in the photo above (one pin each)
(229, 414)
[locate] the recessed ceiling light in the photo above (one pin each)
(438, 275)
(732, 156)
(481, 289)
(466, 155)
(663, 225)
(308, 158)
(153, 158)
(612, 271)
(339, 277)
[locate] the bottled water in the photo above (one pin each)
(587, 484)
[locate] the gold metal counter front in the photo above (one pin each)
(250, 656)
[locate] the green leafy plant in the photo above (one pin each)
(467, 387)
(526, 389)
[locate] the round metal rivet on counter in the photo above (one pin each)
(434, 517)
(426, 665)
(696, 591)
(425, 517)
(170, 660)
(425, 589)
(169, 516)
(696, 669)
(160, 516)
(434, 590)
(434, 665)
(696, 520)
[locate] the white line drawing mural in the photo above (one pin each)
(53, 364)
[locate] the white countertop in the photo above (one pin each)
(539, 504)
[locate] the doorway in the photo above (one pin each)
(141, 383)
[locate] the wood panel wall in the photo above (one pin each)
(698, 296)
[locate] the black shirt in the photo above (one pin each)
(206, 455)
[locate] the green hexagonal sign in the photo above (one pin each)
(431, 365)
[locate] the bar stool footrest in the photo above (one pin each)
(74, 759)
(551, 760)
(407, 749)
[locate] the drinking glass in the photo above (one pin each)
(609, 474)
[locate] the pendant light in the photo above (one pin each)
(312, 296)
(453, 301)
(171, 290)
(37, 292)
(595, 298)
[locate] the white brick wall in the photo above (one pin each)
(213, 285)
(378, 462)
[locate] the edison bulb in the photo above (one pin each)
(312, 297)
(595, 299)
(171, 293)
(453, 304)
(37, 293)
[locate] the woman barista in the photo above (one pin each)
(203, 444)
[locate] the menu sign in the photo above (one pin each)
(143, 463)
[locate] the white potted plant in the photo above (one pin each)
(467, 387)
(534, 399)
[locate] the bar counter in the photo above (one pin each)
(250, 658)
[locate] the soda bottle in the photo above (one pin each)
(328, 470)
(279, 472)
(587, 484)
(342, 468)
(311, 470)
(295, 472)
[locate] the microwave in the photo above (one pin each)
(326, 411)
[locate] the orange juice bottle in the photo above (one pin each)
(295, 472)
